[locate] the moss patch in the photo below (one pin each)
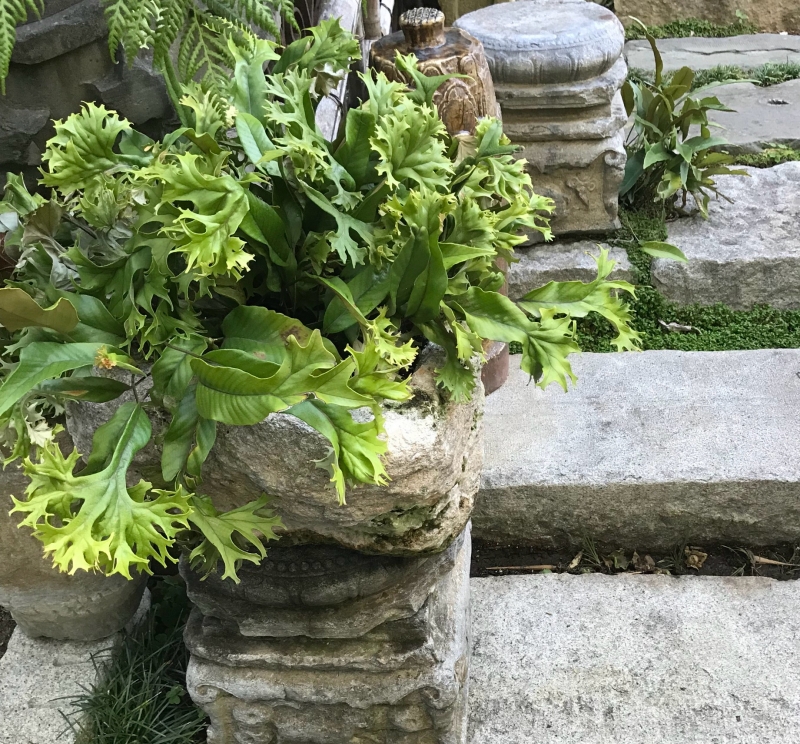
(694, 27)
(717, 327)
(772, 73)
(769, 156)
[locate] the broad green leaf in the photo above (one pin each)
(269, 229)
(84, 387)
(356, 447)
(253, 136)
(238, 388)
(429, 286)
(188, 439)
(658, 249)
(368, 288)
(93, 520)
(172, 371)
(263, 332)
(19, 310)
(249, 89)
(223, 533)
(44, 360)
(545, 344)
(354, 153)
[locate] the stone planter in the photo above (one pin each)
(45, 602)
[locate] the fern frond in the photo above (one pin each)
(12, 13)
(130, 24)
(169, 24)
(203, 54)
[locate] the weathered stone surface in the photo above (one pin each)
(534, 42)
(580, 94)
(18, 127)
(434, 462)
(563, 659)
(761, 117)
(768, 15)
(562, 261)
(557, 70)
(583, 178)
(701, 53)
(649, 450)
(387, 685)
(320, 591)
(45, 602)
(747, 252)
(77, 25)
(546, 125)
(40, 677)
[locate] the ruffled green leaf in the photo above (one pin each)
(19, 310)
(93, 520)
(225, 533)
(578, 299)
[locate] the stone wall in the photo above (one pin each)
(59, 62)
(768, 15)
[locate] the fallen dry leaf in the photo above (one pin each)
(576, 561)
(695, 558)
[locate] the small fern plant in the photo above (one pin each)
(189, 38)
(244, 266)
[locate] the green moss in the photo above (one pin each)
(765, 75)
(717, 327)
(769, 156)
(694, 27)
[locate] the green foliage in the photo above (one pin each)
(771, 73)
(714, 328)
(694, 27)
(12, 13)
(769, 156)
(260, 268)
(665, 156)
(141, 694)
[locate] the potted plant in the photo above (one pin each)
(245, 287)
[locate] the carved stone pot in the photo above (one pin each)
(434, 464)
(45, 602)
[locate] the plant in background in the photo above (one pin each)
(244, 265)
(670, 147)
(196, 30)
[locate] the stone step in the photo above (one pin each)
(593, 659)
(747, 52)
(562, 261)
(747, 252)
(761, 117)
(649, 450)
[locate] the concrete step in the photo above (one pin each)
(747, 252)
(747, 52)
(650, 449)
(594, 659)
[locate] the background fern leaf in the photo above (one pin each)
(12, 13)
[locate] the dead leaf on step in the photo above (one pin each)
(769, 562)
(576, 561)
(677, 328)
(645, 565)
(695, 558)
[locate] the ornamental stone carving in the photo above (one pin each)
(558, 69)
(439, 51)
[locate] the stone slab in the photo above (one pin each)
(40, 678)
(761, 117)
(699, 53)
(767, 15)
(650, 449)
(593, 659)
(562, 262)
(747, 252)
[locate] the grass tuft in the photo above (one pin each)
(143, 699)
(772, 73)
(716, 327)
(694, 27)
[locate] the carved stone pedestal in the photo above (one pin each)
(557, 68)
(324, 645)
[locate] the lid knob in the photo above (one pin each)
(423, 27)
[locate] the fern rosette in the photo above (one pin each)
(246, 269)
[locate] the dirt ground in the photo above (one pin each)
(6, 628)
